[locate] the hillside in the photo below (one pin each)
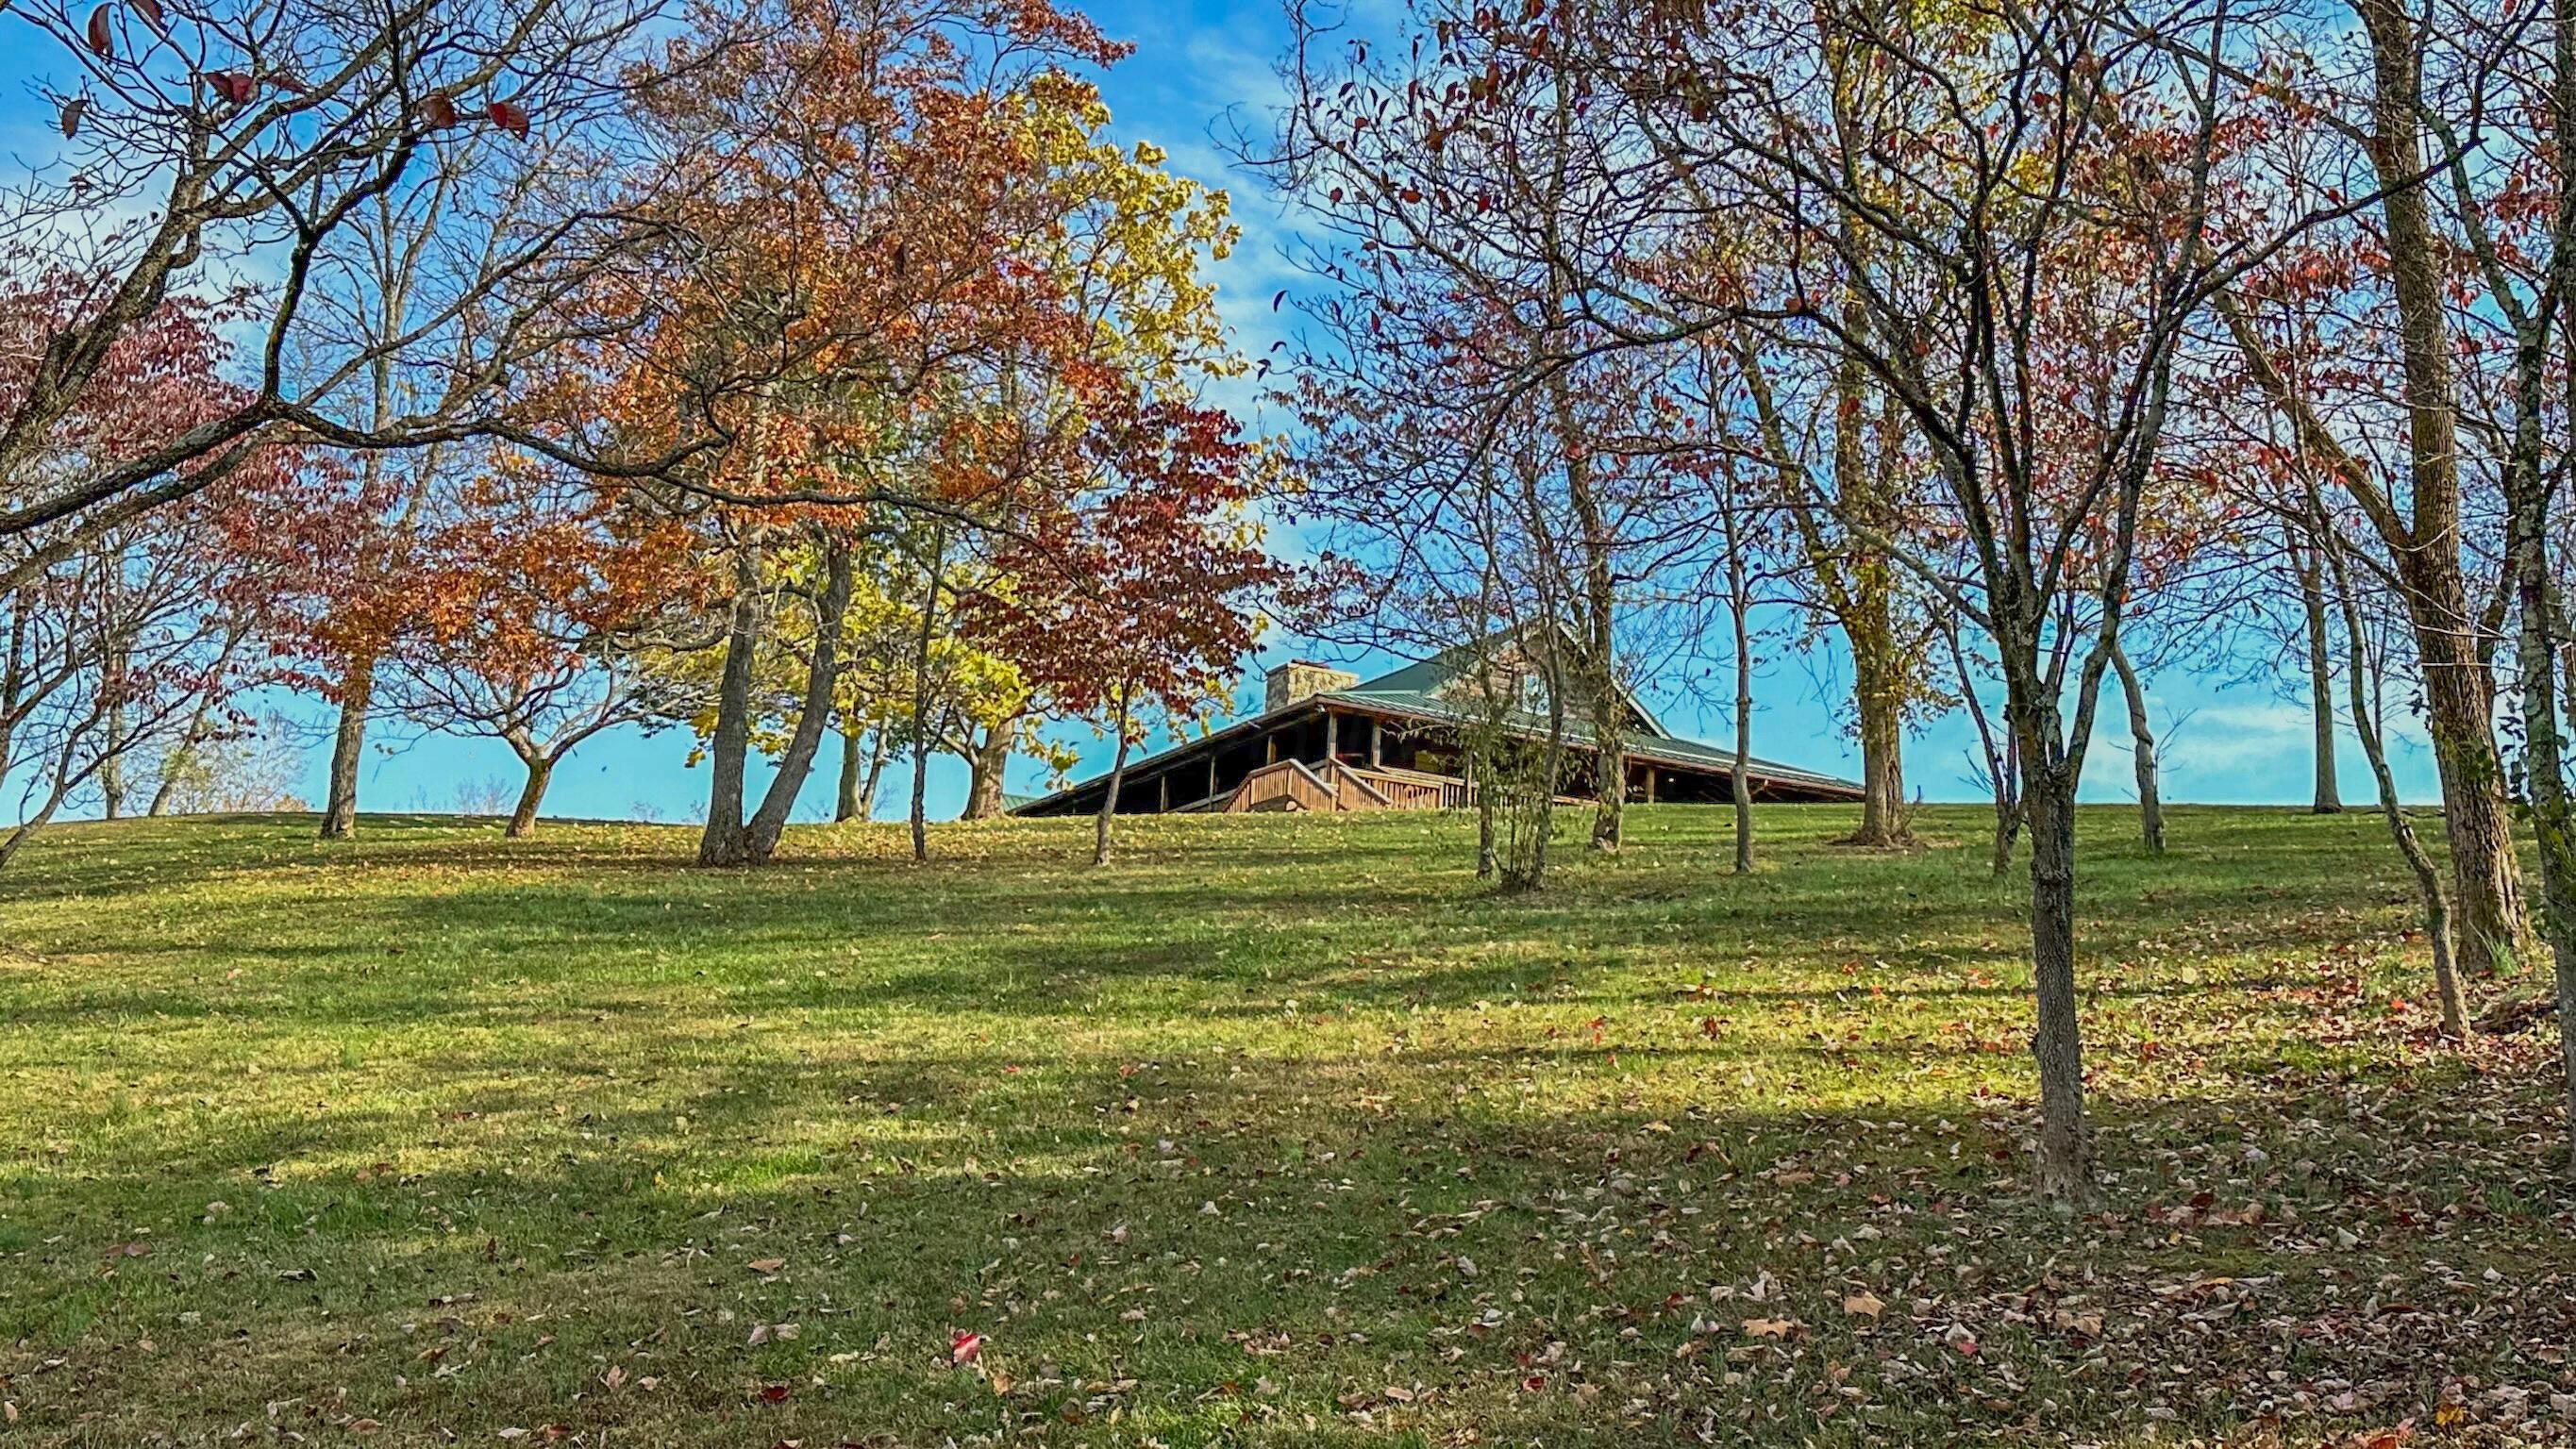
(1277, 1131)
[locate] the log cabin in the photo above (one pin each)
(1327, 740)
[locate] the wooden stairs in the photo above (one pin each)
(1296, 785)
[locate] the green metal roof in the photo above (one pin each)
(1424, 678)
(1668, 747)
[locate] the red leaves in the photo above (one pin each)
(234, 86)
(438, 112)
(102, 38)
(963, 1347)
(150, 10)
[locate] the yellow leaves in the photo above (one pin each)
(1864, 1304)
(1138, 231)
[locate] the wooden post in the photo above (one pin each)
(1163, 792)
(1332, 737)
(1211, 790)
(1650, 784)
(1377, 760)
(1270, 749)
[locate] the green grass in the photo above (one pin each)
(1276, 1131)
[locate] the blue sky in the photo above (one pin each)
(1201, 72)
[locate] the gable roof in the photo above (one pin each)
(1424, 679)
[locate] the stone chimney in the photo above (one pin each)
(1302, 679)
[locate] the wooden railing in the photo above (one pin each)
(1296, 785)
(1286, 785)
(1352, 788)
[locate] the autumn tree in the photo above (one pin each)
(533, 586)
(907, 225)
(1137, 597)
(123, 641)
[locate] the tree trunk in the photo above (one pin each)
(724, 841)
(847, 802)
(1485, 856)
(2459, 692)
(921, 731)
(985, 767)
(348, 746)
(2541, 650)
(1878, 698)
(814, 711)
(111, 764)
(2008, 808)
(2428, 876)
(13, 676)
(1109, 796)
(2487, 880)
(1740, 787)
(878, 754)
(2065, 1167)
(2142, 749)
(523, 816)
(2312, 601)
(918, 811)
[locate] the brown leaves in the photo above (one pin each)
(766, 1265)
(508, 117)
(102, 35)
(73, 110)
(437, 111)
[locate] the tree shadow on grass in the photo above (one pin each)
(1234, 1245)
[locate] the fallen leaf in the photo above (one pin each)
(1770, 1327)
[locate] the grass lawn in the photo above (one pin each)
(1277, 1131)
